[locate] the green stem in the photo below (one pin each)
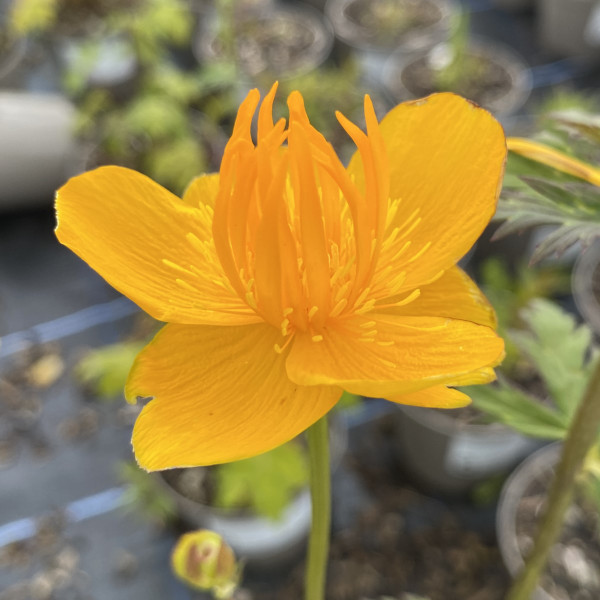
(320, 491)
(581, 437)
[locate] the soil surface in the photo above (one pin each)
(573, 571)
(399, 542)
(386, 22)
(484, 82)
(278, 45)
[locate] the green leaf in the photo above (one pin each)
(516, 409)
(156, 116)
(176, 163)
(144, 495)
(509, 292)
(32, 16)
(560, 352)
(558, 349)
(265, 483)
(105, 369)
(573, 207)
(584, 124)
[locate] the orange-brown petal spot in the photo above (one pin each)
(438, 396)
(148, 244)
(384, 355)
(446, 159)
(220, 394)
(454, 295)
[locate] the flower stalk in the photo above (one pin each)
(580, 439)
(320, 491)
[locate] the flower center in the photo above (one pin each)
(297, 236)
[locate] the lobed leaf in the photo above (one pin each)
(573, 206)
(516, 409)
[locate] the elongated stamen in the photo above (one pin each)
(314, 248)
(291, 226)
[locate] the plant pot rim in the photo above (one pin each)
(354, 35)
(203, 43)
(581, 284)
(439, 421)
(338, 442)
(538, 463)
(500, 53)
(255, 538)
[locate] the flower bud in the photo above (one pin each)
(204, 561)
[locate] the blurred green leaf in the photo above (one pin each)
(32, 16)
(509, 405)
(144, 494)
(156, 116)
(266, 483)
(153, 25)
(105, 369)
(176, 163)
(509, 292)
(560, 352)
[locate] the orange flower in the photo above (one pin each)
(287, 278)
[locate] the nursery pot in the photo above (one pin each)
(275, 42)
(449, 456)
(259, 541)
(586, 285)
(503, 91)
(37, 147)
(573, 559)
(376, 29)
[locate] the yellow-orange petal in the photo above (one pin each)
(220, 394)
(202, 191)
(385, 356)
(438, 396)
(149, 245)
(454, 295)
(446, 159)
